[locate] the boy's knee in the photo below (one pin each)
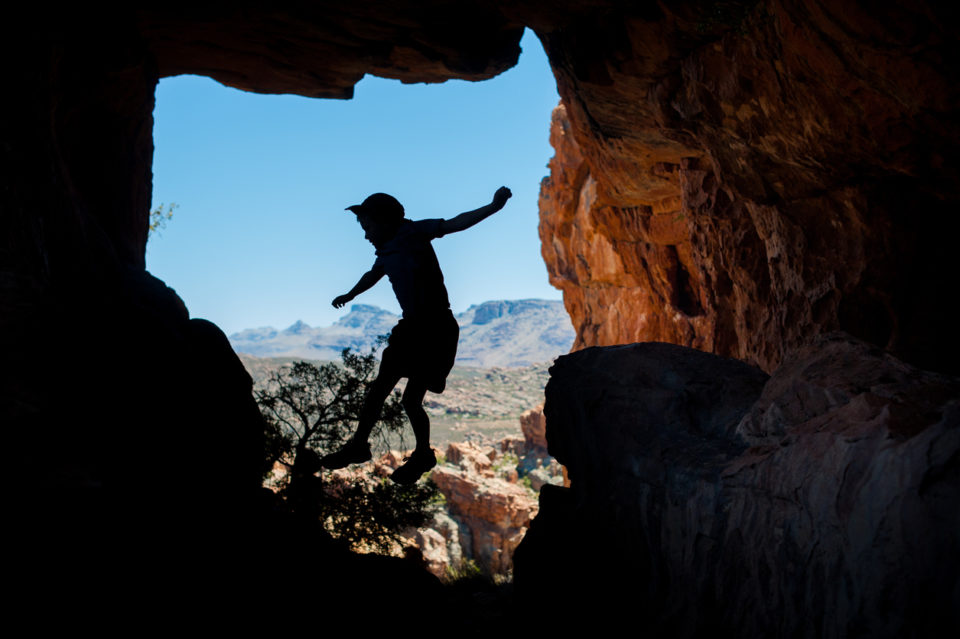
(381, 386)
(410, 403)
(412, 399)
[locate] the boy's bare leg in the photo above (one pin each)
(412, 402)
(423, 458)
(377, 394)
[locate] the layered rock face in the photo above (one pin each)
(627, 274)
(820, 502)
(495, 513)
(321, 49)
(740, 177)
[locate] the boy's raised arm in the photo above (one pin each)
(367, 280)
(468, 219)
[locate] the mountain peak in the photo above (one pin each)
(362, 316)
(366, 308)
(297, 328)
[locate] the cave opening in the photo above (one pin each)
(260, 236)
(785, 123)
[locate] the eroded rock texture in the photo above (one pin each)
(626, 274)
(742, 176)
(495, 512)
(321, 49)
(819, 503)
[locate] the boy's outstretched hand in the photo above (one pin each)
(501, 196)
(340, 300)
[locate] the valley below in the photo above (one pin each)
(478, 405)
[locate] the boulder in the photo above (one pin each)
(819, 503)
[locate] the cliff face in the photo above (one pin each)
(820, 502)
(494, 512)
(744, 176)
(627, 273)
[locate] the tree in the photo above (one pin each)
(311, 410)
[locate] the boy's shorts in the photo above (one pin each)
(423, 349)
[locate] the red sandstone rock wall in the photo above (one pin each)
(740, 177)
(627, 273)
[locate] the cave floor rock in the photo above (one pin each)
(705, 497)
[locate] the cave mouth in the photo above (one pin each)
(131, 373)
(260, 236)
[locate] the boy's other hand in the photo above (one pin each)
(340, 300)
(501, 196)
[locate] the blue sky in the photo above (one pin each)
(261, 237)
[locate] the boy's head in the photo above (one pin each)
(381, 208)
(379, 215)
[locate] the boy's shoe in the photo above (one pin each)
(353, 452)
(417, 464)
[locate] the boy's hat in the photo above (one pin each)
(379, 206)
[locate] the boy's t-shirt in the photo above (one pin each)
(410, 263)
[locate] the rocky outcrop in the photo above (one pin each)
(626, 275)
(511, 333)
(533, 425)
(737, 177)
(535, 461)
(494, 512)
(439, 543)
(818, 502)
(486, 509)
(322, 49)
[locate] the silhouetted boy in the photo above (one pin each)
(423, 344)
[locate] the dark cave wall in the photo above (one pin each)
(78, 145)
(76, 156)
(321, 49)
(707, 499)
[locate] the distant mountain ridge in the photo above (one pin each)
(506, 333)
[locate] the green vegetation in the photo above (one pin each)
(310, 410)
(477, 400)
(527, 483)
(467, 570)
(506, 462)
(372, 515)
(159, 218)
